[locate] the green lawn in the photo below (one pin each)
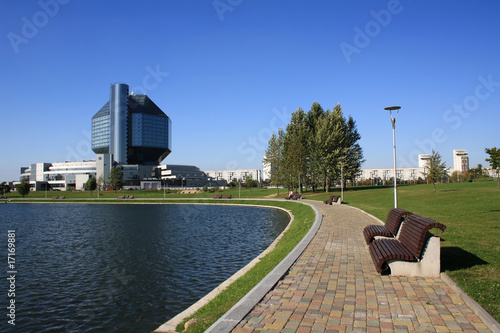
(471, 212)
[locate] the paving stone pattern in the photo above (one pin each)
(334, 287)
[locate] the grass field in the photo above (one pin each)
(471, 211)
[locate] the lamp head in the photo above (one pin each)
(391, 108)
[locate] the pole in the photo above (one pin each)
(341, 182)
(393, 121)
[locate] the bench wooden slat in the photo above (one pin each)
(389, 229)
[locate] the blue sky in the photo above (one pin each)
(230, 72)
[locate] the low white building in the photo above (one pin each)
(60, 175)
(240, 174)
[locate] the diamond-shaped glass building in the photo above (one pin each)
(131, 128)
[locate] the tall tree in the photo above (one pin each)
(91, 184)
(494, 160)
(115, 179)
(23, 187)
(274, 157)
(354, 156)
(295, 146)
(436, 170)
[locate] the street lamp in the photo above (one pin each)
(393, 122)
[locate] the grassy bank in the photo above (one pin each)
(206, 316)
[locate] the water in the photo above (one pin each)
(127, 267)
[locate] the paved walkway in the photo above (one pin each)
(334, 287)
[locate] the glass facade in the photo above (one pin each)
(100, 133)
(149, 130)
(131, 128)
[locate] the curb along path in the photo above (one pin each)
(334, 287)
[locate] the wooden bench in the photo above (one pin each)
(218, 196)
(228, 196)
(297, 197)
(415, 252)
(333, 198)
(121, 197)
(390, 229)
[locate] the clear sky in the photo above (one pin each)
(230, 72)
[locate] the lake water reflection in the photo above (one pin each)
(126, 267)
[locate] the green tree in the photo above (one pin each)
(313, 148)
(494, 160)
(436, 170)
(354, 156)
(91, 184)
(296, 147)
(274, 157)
(4, 188)
(115, 179)
(23, 187)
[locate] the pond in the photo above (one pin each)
(124, 267)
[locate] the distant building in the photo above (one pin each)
(238, 175)
(266, 169)
(132, 130)
(59, 176)
(460, 160)
(129, 130)
(387, 174)
(188, 176)
(423, 160)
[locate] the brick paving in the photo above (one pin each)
(334, 287)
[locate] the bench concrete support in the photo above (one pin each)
(428, 266)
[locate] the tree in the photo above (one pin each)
(115, 179)
(494, 161)
(274, 157)
(436, 170)
(91, 184)
(313, 148)
(4, 188)
(23, 187)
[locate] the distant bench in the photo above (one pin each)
(294, 197)
(333, 198)
(56, 197)
(414, 252)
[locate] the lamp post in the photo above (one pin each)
(393, 122)
(341, 182)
